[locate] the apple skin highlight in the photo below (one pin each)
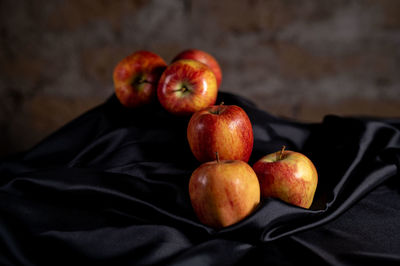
(205, 58)
(187, 86)
(136, 78)
(292, 178)
(223, 192)
(223, 128)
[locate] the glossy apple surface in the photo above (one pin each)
(289, 176)
(136, 78)
(187, 86)
(223, 192)
(204, 58)
(223, 128)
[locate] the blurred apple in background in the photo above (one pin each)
(187, 86)
(223, 192)
(136, 78)
(223, 128)
(204, 58)
(289, 176)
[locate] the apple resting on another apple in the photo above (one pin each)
(136, 78)
(204, 58)
(187, 86)
(223, 128)
(223, 192)
(289, 176)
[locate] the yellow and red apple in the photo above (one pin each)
(187, 86)
(288, 175)
(136, 78)
(204, 58)
(223, 192)
(223, 128)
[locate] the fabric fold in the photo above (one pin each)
(111, 187)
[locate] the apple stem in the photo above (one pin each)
(219, 108)
(217, 156)
(282, 150)
(145, 81)
(183, 89)
(140, 80)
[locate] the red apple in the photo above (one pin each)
(289, 176)
(204, 58)
(223, 192)
(223, 128)
(136, 78)
(187, 86)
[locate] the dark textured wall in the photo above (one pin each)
(298, 59)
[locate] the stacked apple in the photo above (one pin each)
(224, 189)
(189, 84)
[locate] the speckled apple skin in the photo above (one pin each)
(224, 129)
(136, 78)
(205, 58)
(292, 179)
(223, 193)
(196, 77)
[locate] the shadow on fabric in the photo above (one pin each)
(111, 188)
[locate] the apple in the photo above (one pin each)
(136, 78)
(187, 86)
(223, 128)
(289, 176)
(223, 192)
(204, 58)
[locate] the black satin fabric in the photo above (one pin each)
(111, 188)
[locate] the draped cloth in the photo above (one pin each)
(111, 188)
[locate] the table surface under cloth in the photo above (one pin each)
(111, 188)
